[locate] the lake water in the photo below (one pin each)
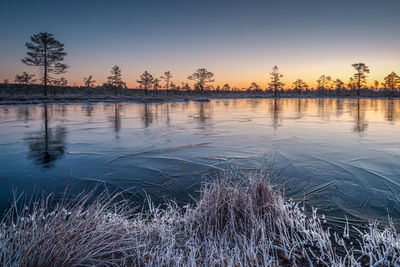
(339, 155)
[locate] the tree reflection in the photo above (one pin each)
(147, 115)
(88, 109)
(47, 145)
(204, 113)
(359, 119)
(391, 112)
(275, 111)
(116, 119)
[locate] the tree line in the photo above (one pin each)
(47, 54)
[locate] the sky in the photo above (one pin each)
(239, 41)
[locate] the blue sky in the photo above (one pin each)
(239, 41)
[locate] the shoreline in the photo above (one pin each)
(162, 98)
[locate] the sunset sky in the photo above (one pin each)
(239, 41)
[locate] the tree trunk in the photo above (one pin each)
(45, 70)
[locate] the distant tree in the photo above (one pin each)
(338, 84)
(300, 85)
(351, 85)
(324, 82)
(392, 81)
(376, 84)
(46, 53)
(115, 79)
(226, 87)
(202, 77)
(24, 78)
(167, 77)
(275, 83)
(146, 80)
(156, 84)
(172, 86)
(254, 87)
(185, 86)
(61, 82)
(89, 82)
(360, 76)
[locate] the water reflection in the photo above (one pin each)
(392, 113)
(276, 111)
(47, 145)
(360, 123)
(204, 113)
(147, 115)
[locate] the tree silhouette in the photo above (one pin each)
(156, 84)
(172, 86)
(300, 85)
(392, 81)
(202, 77)
(226, 87)
(339, 84)
(24, 78)
(89, 82)
(46, 53)
(167, 78)
(275, 83)
(60, 82)
(351, 85)
(376, 84)
(254, 87)
(360, 76)
(324, 82)
(146, 80)
(115, 79)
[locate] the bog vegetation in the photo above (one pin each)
(239, 220)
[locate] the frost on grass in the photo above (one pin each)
(239, 220)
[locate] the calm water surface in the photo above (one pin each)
(339, 155)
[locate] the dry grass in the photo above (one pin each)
(237, 222)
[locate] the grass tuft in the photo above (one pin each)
(239, 220)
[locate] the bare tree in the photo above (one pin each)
(167, 78)
(276, 83)
(360, 76)
(89, 82)
(24, 78)
(115, 79)
(46, 53)
(392, 81)
(146, 80)
(202, 77)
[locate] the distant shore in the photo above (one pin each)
(10, 99)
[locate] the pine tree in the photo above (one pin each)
(46, 53)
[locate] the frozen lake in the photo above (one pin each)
(339, 155)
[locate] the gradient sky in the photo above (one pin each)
(239, 41)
